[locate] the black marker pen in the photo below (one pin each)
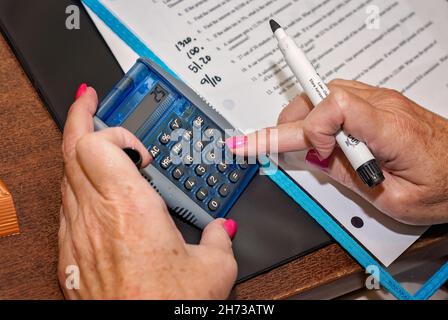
(357, 152)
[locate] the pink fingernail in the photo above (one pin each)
(81, 90)
(231, 228)
(314, 159)
(236, 142)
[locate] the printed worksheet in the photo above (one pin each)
(225, 51)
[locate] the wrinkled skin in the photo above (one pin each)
(410, 142)
(117, 229)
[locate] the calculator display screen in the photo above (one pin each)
(145, 109)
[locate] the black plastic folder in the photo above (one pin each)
(273, 229)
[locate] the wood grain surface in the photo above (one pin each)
(31, 167)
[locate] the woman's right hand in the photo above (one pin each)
(410, 142)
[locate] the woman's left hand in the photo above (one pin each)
(116, 230)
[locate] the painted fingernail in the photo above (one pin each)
(82, 88)
(314, 159)
(236, 142)
(231, 228)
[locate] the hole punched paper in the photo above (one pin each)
(225, 51)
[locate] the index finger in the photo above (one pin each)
(79, 121)
(285, 137)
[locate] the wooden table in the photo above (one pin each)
(31, 166)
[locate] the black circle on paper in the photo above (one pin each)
(357, 222)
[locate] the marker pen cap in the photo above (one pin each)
(371, 173)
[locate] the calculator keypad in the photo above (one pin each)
(177, 149)
(165, 138)
(234, 176)
(198, 122)
(202, 194)
(188, 160)
(178, 173)
(190, 183)
(204, 173)
(213, 205)
(199, 145)
(154, 151)
(213, 179)
(224, 190)
(187, 135)
(166, 163)
(176, 124)
(200, 170)
(222, 167)
(210, 133)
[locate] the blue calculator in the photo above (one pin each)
(193, 170)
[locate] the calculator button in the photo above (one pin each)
(178, 173)
(222, 167)
(244, 165)
(177, 149)
(210, 157)
(187, 135)
(213, 205)
(224, 190)
(212, 180)
(188, 160)
(234, 176)
(202, 194)
(154, 151)
(199, 145)
(190, 183)
(210, 133)
(220, 143)
(176, 124)
(165, 138)
(166, 162)
(198, 122)
(200, 170)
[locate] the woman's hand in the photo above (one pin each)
(410, 142)
(117, 230)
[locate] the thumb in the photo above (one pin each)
(342, 109)
(218, 234)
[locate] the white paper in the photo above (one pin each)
(244, 55)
